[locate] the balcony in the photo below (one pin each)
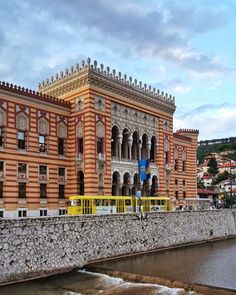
(43, 177)
(22, 176)
(61, 178)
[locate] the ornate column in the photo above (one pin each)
(120, 138)
(148, 148)
(139, 148)
(130, 142)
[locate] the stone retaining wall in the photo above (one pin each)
(31, 248)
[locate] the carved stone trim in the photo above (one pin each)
(89, 76)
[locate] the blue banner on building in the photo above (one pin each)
(144, 169)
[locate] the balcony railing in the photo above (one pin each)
(61, 178)
(43, 177)
(1, 174)
(22, 175)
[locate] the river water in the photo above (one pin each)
(212, 264)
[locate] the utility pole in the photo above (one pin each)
(230, 178)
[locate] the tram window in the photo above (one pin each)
(104, 202)
(158, 202)
(153, 202)
(162, 202)
(98, 202)
(127, 202)
(75, 202)
(113, 202)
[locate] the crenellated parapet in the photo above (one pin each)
(194, 131)
(88, 73)
(33, 94)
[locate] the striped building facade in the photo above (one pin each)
(84, 132)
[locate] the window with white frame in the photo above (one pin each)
(42, 143)
(22, 213)
(22, 140)
(43, 212)
(62, 211)
(22, 170)
(1, 169)
(43, 172)
(2, 137)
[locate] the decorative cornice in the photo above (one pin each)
(33, 94)
(92, 75)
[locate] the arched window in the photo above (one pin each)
(100, 132)
(144, 150)
(116, 184)
(62, 135)
(114, 141)
(2, 127)
(124, 146)
(176, 158)
(22, 124)
(184, 157)
(166, 150)
(135, 146)
(153, 149)
(43, 130)
(80, 138)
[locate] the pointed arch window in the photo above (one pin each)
(62, 135)
(100, 131)
(43, 130)
(22, 124)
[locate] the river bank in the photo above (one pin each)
(37, 247)
(204, 268)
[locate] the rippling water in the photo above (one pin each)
(86, 283)
(211, 264)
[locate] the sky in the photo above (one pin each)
(185, 48)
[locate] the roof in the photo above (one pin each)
(228, 165)
(33, 94)
(202, 191)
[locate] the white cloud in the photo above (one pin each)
(220, 123)
(181, 89)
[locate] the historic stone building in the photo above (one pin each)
(83, 133)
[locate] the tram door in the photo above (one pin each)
(120, 206)
(87, 206)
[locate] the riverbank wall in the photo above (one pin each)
(37, 247)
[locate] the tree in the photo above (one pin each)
(212, 167)
(221, 177)
(230, 199)
(200, 183)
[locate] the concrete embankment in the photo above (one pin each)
(133, 277)
(37, 247)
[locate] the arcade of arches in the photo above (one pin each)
(128, 147)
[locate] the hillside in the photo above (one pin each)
(216, 146)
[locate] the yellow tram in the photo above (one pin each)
(79, 205)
